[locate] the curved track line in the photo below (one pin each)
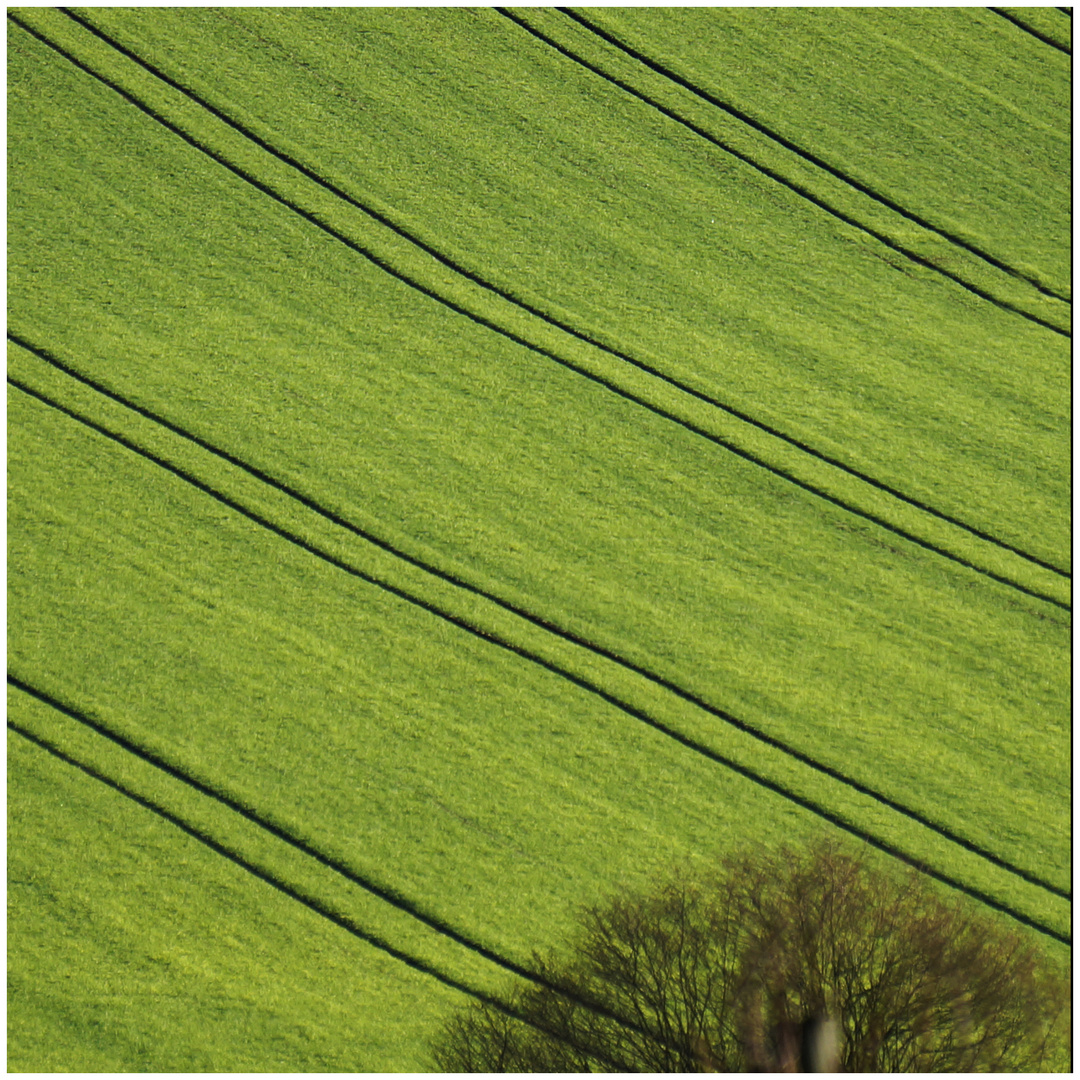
(1030, 30)
(630, 710)
(772, 174)
(480, 320)
(389, 896)
(805, 154)
(549, 626)
(309, 901)
(517, 301)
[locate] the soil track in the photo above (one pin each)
(806, 155)
(489, 324)
(524, 305)
(608, 384)
(313, 903)
(1031, 30)
(586, 684)
(537, 620)
(772, 174)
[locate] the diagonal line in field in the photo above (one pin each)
(543, 623)
(806, 155)
(524, 305)
(249, 813)
(586, 684)
(313, 903)
(387, 895)
(772, 174)
(480, 320)
(1031, 30)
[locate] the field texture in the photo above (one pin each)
(461, 461)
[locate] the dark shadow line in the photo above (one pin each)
(552, 627)
(772, 174)
(585, 684)
(1031, 30)
(532, 310)
(807, 155)
(1065, 11)
(517, 339)
(308, 901)
(389, 896)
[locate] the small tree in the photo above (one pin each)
(783, 962)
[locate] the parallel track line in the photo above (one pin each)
(630, 710)
(387, 895)
(313, 903)
(480, 320)
(547, 625)
(524, 305)
(772, 174)
(806, 155)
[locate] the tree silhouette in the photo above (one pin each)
(783, 962)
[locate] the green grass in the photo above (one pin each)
(138, 949)
(492, 792)
(569, 192)
(1051, 26)
(954, 112)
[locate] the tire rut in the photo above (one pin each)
(1031, 30)
(307, 849)
(308, 900)
(551, 627)
(583, 683)
(480, 320)
(807, 155)
(777, 177)
(524, 305)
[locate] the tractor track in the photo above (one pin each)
(544, 623)
(489, 324)
(531, 309)
(1031, 30)
(583, 683)
(309, 901)
(777, 177)
(806, 155)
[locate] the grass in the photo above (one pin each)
(891, 367)
(1051, 26)
(981, 148)
(149, 952)
(492, 792)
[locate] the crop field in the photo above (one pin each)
(462, 462)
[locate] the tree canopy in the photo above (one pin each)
(784, 961)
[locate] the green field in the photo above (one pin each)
(461, 462)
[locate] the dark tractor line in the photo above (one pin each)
(806, 155)
(547, 625)
(313, 903)
(567, 328)
(772, 174)
(630, 710)
(480, 320)
(249, 813)
(1031, 30)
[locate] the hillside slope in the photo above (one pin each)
(445, 483)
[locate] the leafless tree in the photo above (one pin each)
(782, 962)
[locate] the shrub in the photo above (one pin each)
(792, 961)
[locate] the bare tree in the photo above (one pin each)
(780, 962)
